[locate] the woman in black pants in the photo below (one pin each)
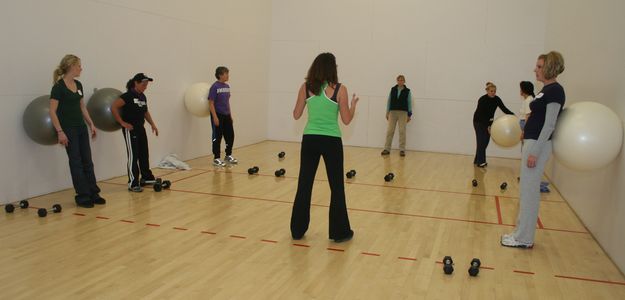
(69, 114)
(134, 106)
(322, 138)
(483, 118)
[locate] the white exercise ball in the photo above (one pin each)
(506, 131)
(196, 99)
(588, 136)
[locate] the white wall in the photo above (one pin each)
(589, 35)
(447, 50)
(176, 42)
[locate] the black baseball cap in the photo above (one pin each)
(141, 77)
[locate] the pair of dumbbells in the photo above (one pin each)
(350, 174)
(389, 177)
(503, 186)
(474, 269)
(158, 184)
(253, 170)
(10, 207)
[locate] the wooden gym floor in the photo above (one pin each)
(224, 234)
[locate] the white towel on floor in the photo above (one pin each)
(172, 161)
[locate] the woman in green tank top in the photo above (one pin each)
(322, 138)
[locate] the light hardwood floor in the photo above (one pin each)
(225, 234)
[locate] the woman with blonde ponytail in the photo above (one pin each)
(69, 114)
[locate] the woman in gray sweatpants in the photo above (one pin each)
(537, 147)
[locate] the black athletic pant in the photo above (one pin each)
(138, 155)
(225, 130)
(331, 149)
(482, 138)
(80, 164)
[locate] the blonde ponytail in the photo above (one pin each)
(67, 61)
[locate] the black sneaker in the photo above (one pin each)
(98, 200)
(85, 204)
(385, 152)
(136, 189)
(345, 239)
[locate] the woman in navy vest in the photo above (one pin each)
(398, 111)
(537, 147)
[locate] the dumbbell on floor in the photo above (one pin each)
(503, 186)
(160, 184)
(474, 183)
(280, 172)
(351, 173)
(56, 208)
(389, 177)
(253, 170)
(448, 265)
(10, 207)
(281, 154)
(475, 267)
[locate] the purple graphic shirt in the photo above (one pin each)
(220, 93)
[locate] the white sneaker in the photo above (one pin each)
(218, 162)
(508, 240)
(231, 160)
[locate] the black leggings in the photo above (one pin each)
(482, 138)
(331, 149)
(225, 130)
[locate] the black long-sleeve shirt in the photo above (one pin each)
(486, 107)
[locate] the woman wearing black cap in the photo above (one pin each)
(134, 106)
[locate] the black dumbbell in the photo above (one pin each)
(351, 173)
(474, 182)
(475, 267)
(160, 184)
(10, 207)
(253, 170)
(280, 172)
(448, 265)
(503, 186)
(389, 177)
(56, 208)
(281, 154)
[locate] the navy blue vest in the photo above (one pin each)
(401, 102)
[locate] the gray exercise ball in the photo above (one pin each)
(37, 122)
(99, 108)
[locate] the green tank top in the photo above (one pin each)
(322, 115)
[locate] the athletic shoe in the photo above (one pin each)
(508, 240)
(482, 165)
(98, 200)
(385, 152)
(402, 153)
(136, 189)
(231, 160)
(345, 239)
(85, 204)
(544, 189)
(218, 162)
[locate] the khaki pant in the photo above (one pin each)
(395, 117)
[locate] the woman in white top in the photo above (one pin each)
(527, 94)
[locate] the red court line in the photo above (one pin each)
(564, 230)
(370, 253)
(301, 245)
(407, 258)
(426, 217)
(523, 272)
(127, 221)
(209, 232)
(237, 236)
(152, 225)
(269, 241)
(33, 207)
(335, 249)
(540, 224)
(79, 214)
(180, 228)
(499, 219)
(486, 268)
(102, 218)
(590, 280)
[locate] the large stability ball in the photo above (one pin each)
(506, 131)
(196, 99)
(99, 108)
(37, 122)
(588, 136)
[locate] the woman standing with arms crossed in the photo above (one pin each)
(483, 118)
(537, 147)
(322, 138)
(69, 114)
